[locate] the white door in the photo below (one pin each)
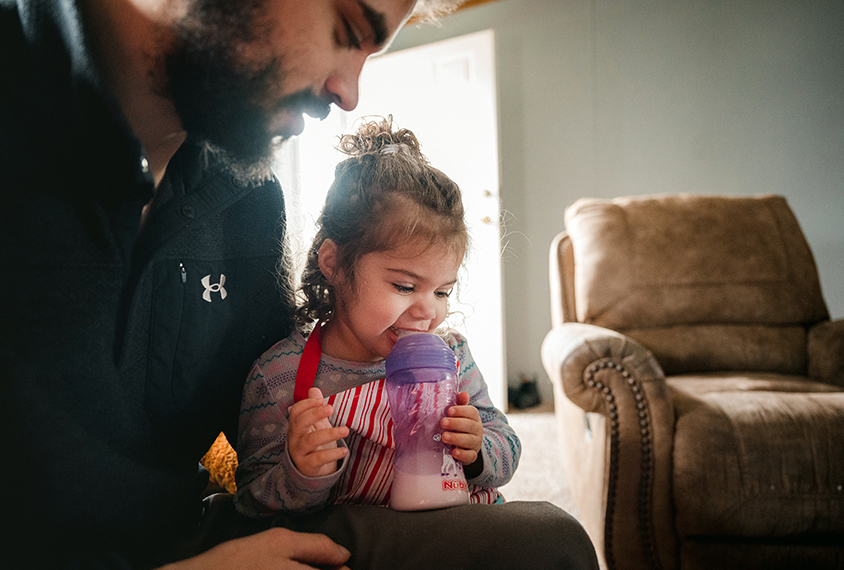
(445, 93)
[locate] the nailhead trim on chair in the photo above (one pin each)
(646, 482)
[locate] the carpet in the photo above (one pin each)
(540, 475)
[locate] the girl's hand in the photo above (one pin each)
(465, 432)
(311, 440)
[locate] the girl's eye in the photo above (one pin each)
(444, 294)
(403, 288)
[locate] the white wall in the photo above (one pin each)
(618, 97)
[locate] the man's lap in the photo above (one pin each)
(513, 535)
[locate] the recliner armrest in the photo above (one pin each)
(571, 350)
(826, 352)
(605, 372)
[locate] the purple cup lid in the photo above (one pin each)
(420, 350)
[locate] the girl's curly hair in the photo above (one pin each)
(385, 194)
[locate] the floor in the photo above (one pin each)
(540, 475)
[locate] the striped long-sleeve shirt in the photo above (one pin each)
(267, 480)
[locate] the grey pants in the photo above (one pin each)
(513, 536)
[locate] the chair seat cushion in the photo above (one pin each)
(757, 455)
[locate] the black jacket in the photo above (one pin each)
(122, 352)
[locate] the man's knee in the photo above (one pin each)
(558, 539)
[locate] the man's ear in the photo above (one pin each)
(327, 259)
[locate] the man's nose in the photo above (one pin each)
(342, 85)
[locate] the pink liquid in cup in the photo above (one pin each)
(421, 386)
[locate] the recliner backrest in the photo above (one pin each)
(705, 282)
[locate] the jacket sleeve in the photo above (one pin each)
(268, 482)
(501, 446)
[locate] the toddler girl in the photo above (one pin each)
(385, 259)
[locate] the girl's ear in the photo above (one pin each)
(327, 259)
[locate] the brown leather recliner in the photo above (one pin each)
(699, 384)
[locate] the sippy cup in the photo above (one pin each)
(421, 386)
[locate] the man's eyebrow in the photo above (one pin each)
(377, 21)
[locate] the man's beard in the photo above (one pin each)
(229, 105)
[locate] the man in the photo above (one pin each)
(140, 232)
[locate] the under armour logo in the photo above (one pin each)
(215, 288)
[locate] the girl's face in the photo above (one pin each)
(405, 288)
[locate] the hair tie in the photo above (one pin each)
(393, 148)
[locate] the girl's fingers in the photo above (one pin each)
(465, 456)
(464, 431)
(463, 440)
(326, 456)
(313, 401)
(463, 425)
(470, 412)
(297, 410)
(307, 438)
(317, 452)
(319, 462)
(321, 437)
(312, 441)
(315, 415)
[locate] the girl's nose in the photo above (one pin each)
(342, 84)
(424, 310)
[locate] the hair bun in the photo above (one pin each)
(378, 137)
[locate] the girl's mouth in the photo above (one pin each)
(397, 332)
